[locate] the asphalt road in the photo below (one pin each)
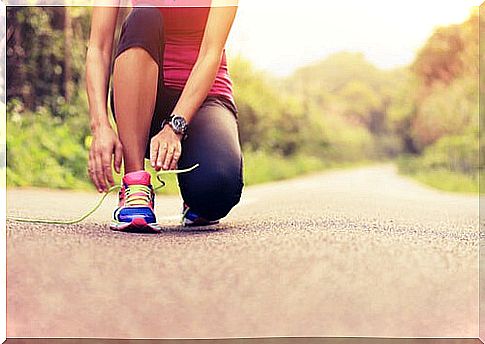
(360, 252)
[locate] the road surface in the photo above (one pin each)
(362, 252)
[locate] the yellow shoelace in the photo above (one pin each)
(137, 195)
(100, 201)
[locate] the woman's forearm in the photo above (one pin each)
(97, 78)
(205, 69)
(198, 84)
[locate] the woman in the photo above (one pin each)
(172, 99)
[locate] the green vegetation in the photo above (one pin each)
(336, 112)
(44, 150)
(437, 167)
(442, 179)
(451, 164)
(425, 113)
(262, 167)
(444, 123)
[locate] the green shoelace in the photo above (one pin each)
(100, 201)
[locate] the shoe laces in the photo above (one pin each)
(100, 201)
(138, 195)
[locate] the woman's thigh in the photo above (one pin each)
(215, 186)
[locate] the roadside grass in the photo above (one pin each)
(447, 181)
(439, 178)
(262, 167)
(47, 152)
(258, 167)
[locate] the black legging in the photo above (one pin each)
(214, 188)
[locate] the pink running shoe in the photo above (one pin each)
(135, 210)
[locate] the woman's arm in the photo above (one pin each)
(98, 60)
(198, 85)
(205, 69)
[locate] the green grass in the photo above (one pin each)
(439, 177)
(450, 164)
(45, 151)
(447, 181)
(262, 167)
(259, 167)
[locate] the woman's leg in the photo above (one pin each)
(214, 188)
(135, 88)
(135, 82)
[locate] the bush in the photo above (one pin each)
(450, 164)
(43, 150)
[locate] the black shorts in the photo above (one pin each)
(212, 140)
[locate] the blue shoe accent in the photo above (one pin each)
(189, 218)
(190, 215)
(127, 214)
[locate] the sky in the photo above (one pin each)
(279, 36)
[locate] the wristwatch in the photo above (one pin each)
(177, 123)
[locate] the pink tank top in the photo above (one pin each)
(184, 27)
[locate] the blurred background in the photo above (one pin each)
(322, 86)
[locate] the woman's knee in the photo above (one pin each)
(212, 195)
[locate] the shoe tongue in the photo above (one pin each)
(137, 178)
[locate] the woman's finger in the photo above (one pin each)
(175, 159)
(154, 145)
(92, 172)
(94, 177)
(168, 158)
(107, 171)
(98, 171)
(162, 153)
(118, 157)
(90, 168)
(176, 156)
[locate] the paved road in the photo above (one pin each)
(359, 252)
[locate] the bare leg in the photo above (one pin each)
(135, 78)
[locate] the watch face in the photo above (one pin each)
(178, 123)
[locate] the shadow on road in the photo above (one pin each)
(181, 231)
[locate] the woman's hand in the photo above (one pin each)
(105, 144)
(165, 149)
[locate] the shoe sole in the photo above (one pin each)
(137, 225)
(188, 223)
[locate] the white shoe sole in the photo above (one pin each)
(138, 224)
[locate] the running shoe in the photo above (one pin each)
(136, 202)
(191, 219)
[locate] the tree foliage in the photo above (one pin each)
(342, 108)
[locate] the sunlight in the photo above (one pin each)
(279, 37)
